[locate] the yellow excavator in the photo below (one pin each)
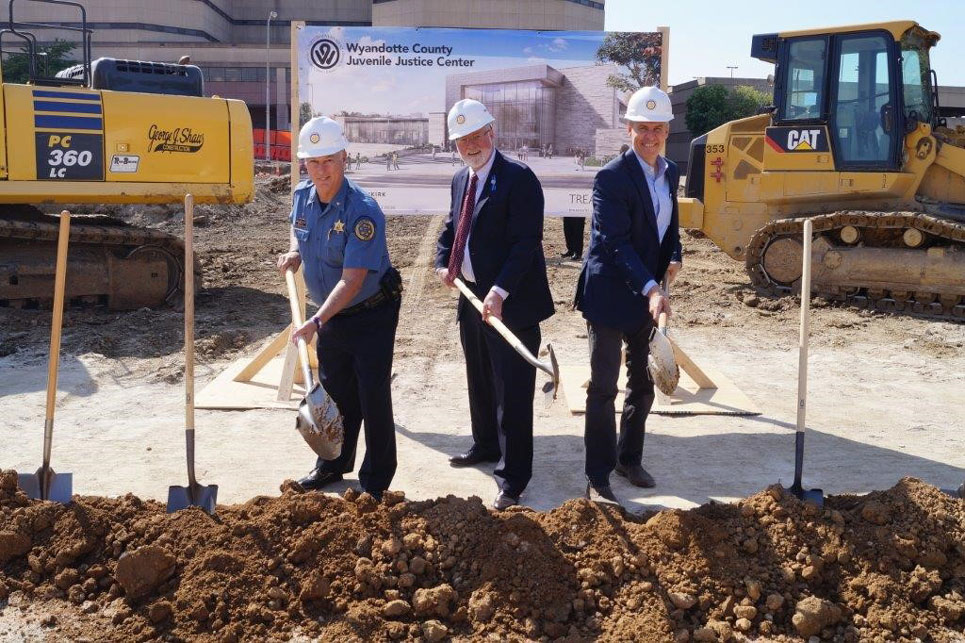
(108, 131)
(855, 141)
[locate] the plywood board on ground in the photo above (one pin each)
(260, 392)
(687, 399)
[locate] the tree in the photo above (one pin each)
(746, 101)
(706, 109)
(16, 67)
(713, 105)
(639, 53)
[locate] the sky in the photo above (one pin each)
(708, 36)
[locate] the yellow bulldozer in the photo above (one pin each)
(855, 141)
(108, 131)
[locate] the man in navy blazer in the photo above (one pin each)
(634, 245)
(492, 240)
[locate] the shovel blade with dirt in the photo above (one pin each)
(320, 424)
(193, 495)
(318, 421)
(45, 484)
(661, 362)
(203, 496)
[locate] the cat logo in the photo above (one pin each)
(804, 140)
(783, 139)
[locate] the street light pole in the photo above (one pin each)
(731, 68)
(266, 138)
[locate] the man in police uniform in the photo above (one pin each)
(492, 240)
(634, 244)
(338, 236)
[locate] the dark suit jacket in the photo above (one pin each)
(505, 241)
(625, 251)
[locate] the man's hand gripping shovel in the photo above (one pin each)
(552, 368)
(318, 420)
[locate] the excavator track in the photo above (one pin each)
(109, 262)
(890, 261)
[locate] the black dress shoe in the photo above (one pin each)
(319, 479)
(566, 255)
(375, 494)
(636, 474)
(471, 457)
(602, 494)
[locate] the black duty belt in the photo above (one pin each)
(375, 300)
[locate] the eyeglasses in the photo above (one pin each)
(474, 139)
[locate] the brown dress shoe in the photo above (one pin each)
(636, 474)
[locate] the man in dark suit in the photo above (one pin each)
(492, 240)
(634, 244)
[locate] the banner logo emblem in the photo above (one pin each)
(325, 53)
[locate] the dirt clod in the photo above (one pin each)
(140, 571)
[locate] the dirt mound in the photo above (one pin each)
(887, 566)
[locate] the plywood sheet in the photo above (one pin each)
(687, 399)
(258, 393)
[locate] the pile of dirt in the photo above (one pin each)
(886, 566)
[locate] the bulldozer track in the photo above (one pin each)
(921, 301)
(31, 225)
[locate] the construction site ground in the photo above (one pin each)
(884, 401)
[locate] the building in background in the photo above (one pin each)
(227, 38)
(536, 106)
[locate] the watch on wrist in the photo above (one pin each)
(318, 324)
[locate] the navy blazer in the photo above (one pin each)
(625, 251)
(505, 241)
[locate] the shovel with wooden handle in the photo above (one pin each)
(194, 495)
(661, 362)
(552, 368)
(815, 496)
(45, 484)
(318, 420)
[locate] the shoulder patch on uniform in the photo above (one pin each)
(365, 229)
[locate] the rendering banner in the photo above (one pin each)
(558, 99)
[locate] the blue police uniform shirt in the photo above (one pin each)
(349, 232)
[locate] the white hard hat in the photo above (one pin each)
(649, 104)
(320, 136)
(466, 117)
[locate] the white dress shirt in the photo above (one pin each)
(660, 197)
(483, 176)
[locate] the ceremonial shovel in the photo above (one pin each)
(204, 496)
(318, 420)
(552, 369)
(815, 496)
(45, 484)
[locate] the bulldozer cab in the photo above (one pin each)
(851, 94)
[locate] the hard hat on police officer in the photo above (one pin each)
(320, 136)
(649, 104)
(466, 117)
